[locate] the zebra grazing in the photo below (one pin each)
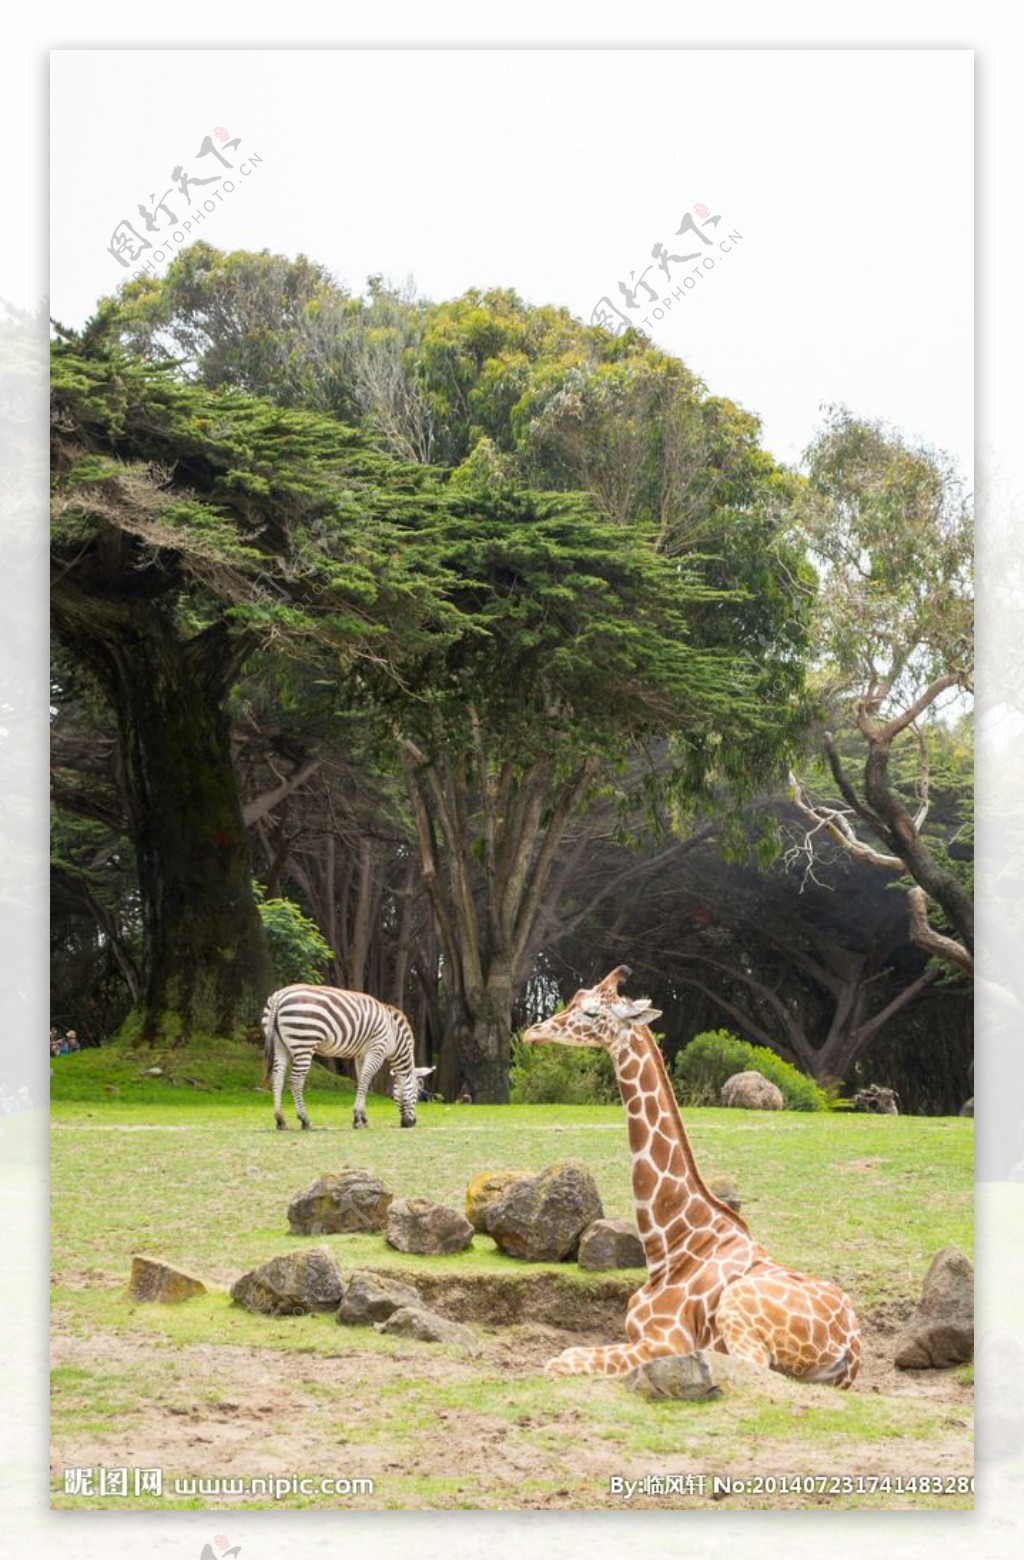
(301, 1022)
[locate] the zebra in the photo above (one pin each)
(300, 1022)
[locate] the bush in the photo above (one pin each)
(297, 949)
(561, 1075)
(704, 1065)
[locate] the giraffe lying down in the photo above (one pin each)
(710, 1285)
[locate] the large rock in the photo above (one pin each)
(426, 1228)
(486, 1189)
(542, 1219)
(152, 1280)
(877, 1100)
(941, 1330)
(292, 1285)
(685, 1376)
(372, 1297)
(751, 1091)
(341, 1202)
(611, 1243)
(419, 1322)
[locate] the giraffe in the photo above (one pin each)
(710, 1284)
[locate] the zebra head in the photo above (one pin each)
(406, 1092)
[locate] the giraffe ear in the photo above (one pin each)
(638, 1012)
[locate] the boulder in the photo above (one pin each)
(685, 1376)
(751, 1091)
(611, 1243)
(158, 1281)
(726, 1189)
(542, 1218)
(426, 1228)
(371, 1297)
(941, 1330)
(876, 1100)
(487, 1188)
(967, 1108)
(419, 1322)
(341, 1202)
(292, 1285)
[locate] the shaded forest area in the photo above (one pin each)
(502, 649)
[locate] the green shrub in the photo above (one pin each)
(297, 949)
(704, 1065)
(561, 1075)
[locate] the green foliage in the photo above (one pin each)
(703, 1066)
(297, 948)
(561, 1075)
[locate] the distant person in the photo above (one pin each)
(73, 1044)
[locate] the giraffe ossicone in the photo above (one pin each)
(710, 1284)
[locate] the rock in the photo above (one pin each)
(487, 1188)
(418, 1321)
(751, 1091)
(877, 1100)
(371, 1297)
(542, 1218)
(291, 1285)
(426, 1228)
(726, 1189)
(611, 1243)
(341, 1202)
(967, 1108)
(737, 1376)
(153, 1280)
(685, 1376)
(941, 1330)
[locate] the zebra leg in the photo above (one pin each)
(277, 1073)
(366, 1072)
(300, 1067)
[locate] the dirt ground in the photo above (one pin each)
(269, 1419)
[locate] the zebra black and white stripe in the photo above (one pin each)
(300, 1022)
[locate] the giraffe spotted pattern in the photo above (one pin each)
(710, 1285)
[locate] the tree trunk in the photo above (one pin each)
(206, 965)
(484, 1039)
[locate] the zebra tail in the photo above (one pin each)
(269, 1031)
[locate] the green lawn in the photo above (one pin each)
(189, 1167)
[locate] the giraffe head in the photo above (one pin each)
(597, 1016)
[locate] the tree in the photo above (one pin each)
(189, 530)
(892, 535)
(584, 646)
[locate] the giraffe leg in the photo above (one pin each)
(799, 1326)
(300, 1067)
(613, 1359)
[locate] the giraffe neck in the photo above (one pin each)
(681, 1224)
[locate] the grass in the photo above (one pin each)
(188, 1167)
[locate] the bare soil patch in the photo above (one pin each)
(244, 1412)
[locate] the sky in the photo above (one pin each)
(846, 178)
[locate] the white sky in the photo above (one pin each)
(848, 174)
